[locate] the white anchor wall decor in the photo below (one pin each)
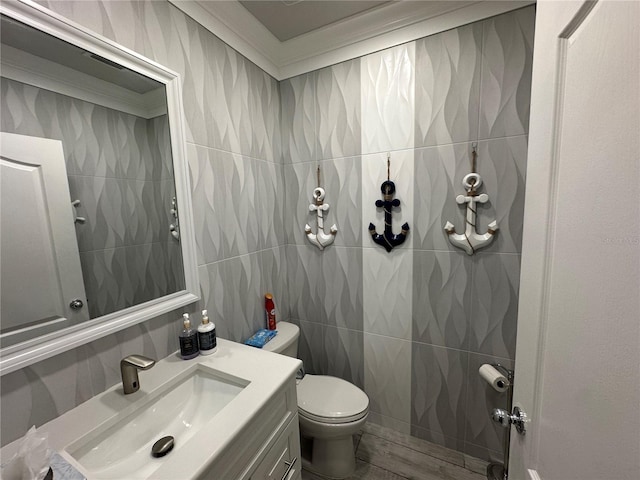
(320, 239)
(471, 240)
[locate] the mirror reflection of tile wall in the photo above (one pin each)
(119, 167)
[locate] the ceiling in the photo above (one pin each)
(290, 37)
(287, 19)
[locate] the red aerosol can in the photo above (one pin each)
(270, 311)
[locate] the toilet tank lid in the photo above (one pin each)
(287, 334)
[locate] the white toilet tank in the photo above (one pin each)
(286, 341)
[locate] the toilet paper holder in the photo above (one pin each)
(497, 471)
(506, 372)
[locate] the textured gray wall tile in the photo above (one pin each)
(17, 405)
(159, 135)
(298, 118)
(104, 206)
(388, 99)
(97, 141)
(188, 57)
(387, 284)
(494, 303)
(507, 55)
(214, 297)
(325, 286)
(387, 376)
(243, 310)
(388, 422)
(448, 86)
(344, 350)
(48, 388)
(441, 298)
(121, 212)
(311, 348)
(117, 278)
(209, 201)
(299, 180)
(120, 21)
(160, 36)
(439, 389)
(481, 430)
(502, 163)
(270, 204)
(342, 299)
(437, 438)
(240, 223)
(232, 292)
(265, 115)
(306, 286)
(227, 97)
(483, 453)
(338, 110)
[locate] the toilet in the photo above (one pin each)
(331, 411)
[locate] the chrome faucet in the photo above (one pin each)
(129, 367)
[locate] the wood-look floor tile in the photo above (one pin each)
(306, 475)
(414, 443)
(367, 471)
(364, 471)
(409, 463)
(475, 464)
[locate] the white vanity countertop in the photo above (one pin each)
(266, 373)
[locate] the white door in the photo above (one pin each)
(578, 347)
(39, 262)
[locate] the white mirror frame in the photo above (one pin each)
(27, 353)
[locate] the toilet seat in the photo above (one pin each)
(327, 399)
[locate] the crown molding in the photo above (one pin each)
(374, 30)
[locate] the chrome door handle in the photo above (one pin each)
(76, 304)
(517, 418)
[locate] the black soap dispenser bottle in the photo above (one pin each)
(188, 339)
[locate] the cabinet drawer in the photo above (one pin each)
(282, 461)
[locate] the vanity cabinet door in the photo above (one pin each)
(282, 461)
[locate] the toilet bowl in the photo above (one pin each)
(330, 411)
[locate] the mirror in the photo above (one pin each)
(96, 208)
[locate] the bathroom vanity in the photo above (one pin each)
(233, 415)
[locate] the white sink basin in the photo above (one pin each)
(121, 448)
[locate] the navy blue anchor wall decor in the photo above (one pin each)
(388, 239)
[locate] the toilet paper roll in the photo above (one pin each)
(493, 377)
